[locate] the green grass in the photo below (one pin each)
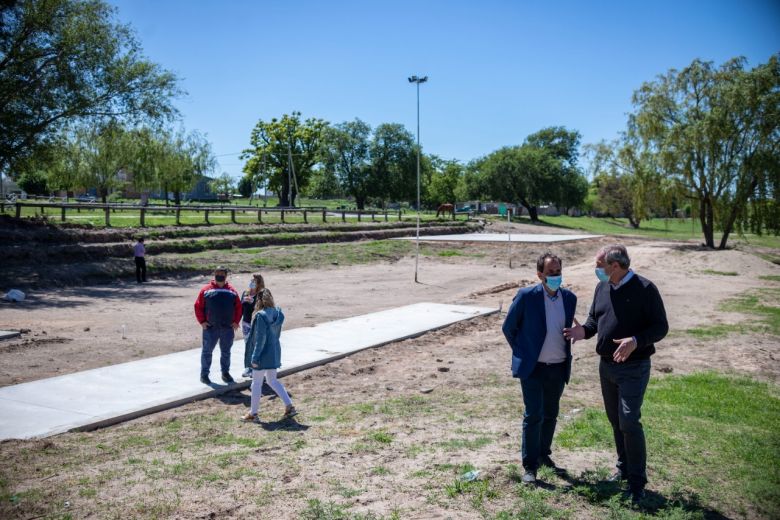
(770, 277)
(720, 273)
(704, 428)
(673, 229)
(762, 304)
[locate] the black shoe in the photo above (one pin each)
(616, 477)
(636, 495)
(205, 380)
(529, 477)
(226, 377)
(546, 461)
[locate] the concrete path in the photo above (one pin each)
(8, 334)
(500, 237)
(108, 395)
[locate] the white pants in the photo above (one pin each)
(257, 387)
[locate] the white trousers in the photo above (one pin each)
(257, 387)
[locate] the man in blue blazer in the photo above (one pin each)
(541, 358)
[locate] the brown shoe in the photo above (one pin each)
(249, 417)
(289, 412)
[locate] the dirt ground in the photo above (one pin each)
(80, 328)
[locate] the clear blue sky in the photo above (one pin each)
(498, 70)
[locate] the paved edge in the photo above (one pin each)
(222, 389)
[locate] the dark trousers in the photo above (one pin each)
(542, 392)
(623, 388)
(212, 335)
(140, 269)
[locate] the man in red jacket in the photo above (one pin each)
(218, 310)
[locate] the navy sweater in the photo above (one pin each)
(633, 309)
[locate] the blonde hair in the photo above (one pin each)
(264, 300)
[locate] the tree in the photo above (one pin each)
(444, 183)
(346, 152)
(182, 159)
(245, 187)
(223, 185)
(629, 178)
(393, 164)
(562, 145)
(64, 62)
(103, 152)
(284, 151)
(717, 131)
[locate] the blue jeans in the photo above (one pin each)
(623, 388)
(211, 336)
(542, 392)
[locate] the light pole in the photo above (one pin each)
(418, 80)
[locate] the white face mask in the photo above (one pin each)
(252, 285)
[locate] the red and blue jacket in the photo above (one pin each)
(219, 306)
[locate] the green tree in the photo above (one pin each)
(283, 153)
(446, 178)
(346, 152)
(104, 152)
(717, 131)
(182, 159)
(67, 61)
(393, 173)
(245, 187)
(223, 185)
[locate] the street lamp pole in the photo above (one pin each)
(417, 80)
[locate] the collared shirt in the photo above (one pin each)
(554, 346)
(139, 249)
(627, 277)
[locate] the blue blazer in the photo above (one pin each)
(525, 328)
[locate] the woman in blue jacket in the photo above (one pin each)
(263, 338)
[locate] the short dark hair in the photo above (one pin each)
(543, 258)
(221, 269)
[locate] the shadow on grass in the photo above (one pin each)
(612, 494)
(284, 424)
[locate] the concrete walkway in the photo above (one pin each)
(500, 237)
(108, 395)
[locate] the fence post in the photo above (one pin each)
(18, 210)
(305, 220)
(206, 212)
(178, 215)
(358, 212)
(343, 216)
(323, 216)
(63, 214)
(43, 210)
(108, 216)
(259, 216)
(282, 216)
(399, 215)
(385, 215)
(143, 217)
(233, 216)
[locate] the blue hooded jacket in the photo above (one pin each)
(264, 338)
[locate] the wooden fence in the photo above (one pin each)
(108, 209)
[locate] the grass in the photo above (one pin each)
(720, 273)
(770, 278)
(672, 229)
(761, 305)
(703, 428)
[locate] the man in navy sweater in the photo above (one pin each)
(541, 358)
(629, 316)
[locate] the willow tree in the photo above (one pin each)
(717, 131)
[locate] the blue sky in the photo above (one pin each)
(498, 70)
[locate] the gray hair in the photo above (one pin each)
(615, 253)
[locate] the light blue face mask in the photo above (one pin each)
(252, 284)
(553, 282)
(601, 274)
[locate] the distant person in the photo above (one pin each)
(248, 300)
(629, 316)
(264, 336)
(541, 359)
(218, 310)
(139, 255)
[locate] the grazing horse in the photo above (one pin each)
(444, 209)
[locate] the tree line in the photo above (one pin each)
(80, 106)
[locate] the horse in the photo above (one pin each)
(444, 209)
